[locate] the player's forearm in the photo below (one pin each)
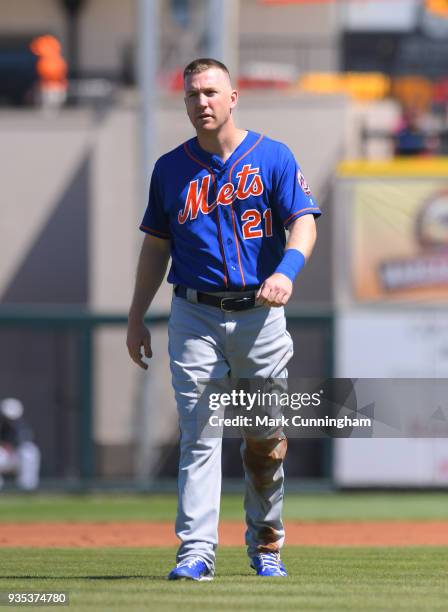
(151, 268)
(302, 235)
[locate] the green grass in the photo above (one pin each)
(320, 579)
(305, 507)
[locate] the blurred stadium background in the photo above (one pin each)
(90, 94)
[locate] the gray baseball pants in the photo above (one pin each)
(205, 342)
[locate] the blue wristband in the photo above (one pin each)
(291, 264)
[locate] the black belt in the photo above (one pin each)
(226, 304)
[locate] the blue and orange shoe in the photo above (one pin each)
(268, 564)
(191, 568)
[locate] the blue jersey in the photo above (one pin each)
(226, 220)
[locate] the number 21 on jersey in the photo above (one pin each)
(255, 223)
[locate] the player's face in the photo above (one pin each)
(209, 99)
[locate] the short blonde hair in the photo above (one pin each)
(204, 63)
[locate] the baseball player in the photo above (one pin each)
(19, 454)
(219, 205)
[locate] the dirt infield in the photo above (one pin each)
(150, 534)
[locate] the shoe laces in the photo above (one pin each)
(190, 562)
(270, 560)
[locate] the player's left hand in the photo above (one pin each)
(275, 291)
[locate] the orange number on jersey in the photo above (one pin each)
(268, 221)
(252, 218)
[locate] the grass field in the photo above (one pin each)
(306, 507)
(348, 578)
(320, 579)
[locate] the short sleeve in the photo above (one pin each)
(292, 194)
(156, 220)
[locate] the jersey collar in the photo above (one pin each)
(214, 161)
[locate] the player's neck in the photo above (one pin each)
(223, 142)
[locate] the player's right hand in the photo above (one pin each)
(275, 291)
(138, 337)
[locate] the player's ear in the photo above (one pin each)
(233, 98)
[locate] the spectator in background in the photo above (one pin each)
(19, 455)
(410, 139)
(417, 133)
(51, 70)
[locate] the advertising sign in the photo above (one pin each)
(400, 241)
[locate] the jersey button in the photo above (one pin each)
(229, 241)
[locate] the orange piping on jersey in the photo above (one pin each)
(163, 234)
(198, 161)
(244, 155)
(238, 249)
(299, 212)
(221, 247)
(231, 207)
(237, 246)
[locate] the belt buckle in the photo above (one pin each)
(223, 306)
(241, 300)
